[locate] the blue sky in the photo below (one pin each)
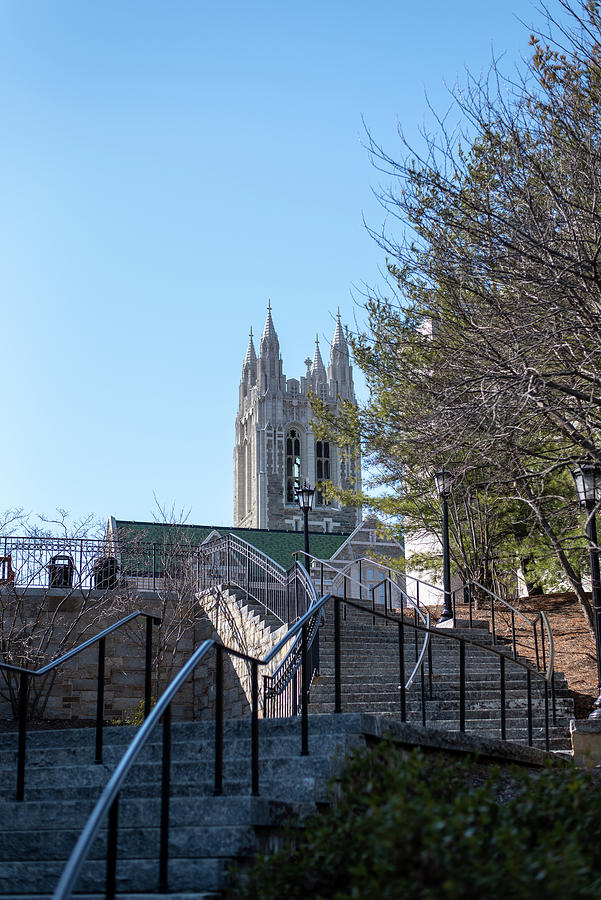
(166, 168)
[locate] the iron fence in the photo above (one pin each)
(55, 562)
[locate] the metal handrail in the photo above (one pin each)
(551, 664)
(120, 773)
(532, 623)
(496, 597)
(420, 659)
(228, 538)
(284, 673)
(432, 629)
(107, 803)
(81, 647)
(270, 570)
(341, 573)
(99, 639)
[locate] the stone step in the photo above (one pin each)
(272, 747)
(442, 698)
(433, 711)
(513, 681)
(187, 773)
(208, 831)
(178, 895)
(133, 875)
(300, 789)
(186, 842)
(139, 811)
(180, 731)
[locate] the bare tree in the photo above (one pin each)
(50, 599)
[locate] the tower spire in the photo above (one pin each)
(318, 370)
(269, 338)
(339, 371)
(339, 341)
(251, 357)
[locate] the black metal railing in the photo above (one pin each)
(26, 675)
(84, 564)
(58, 562)
(291, 597)
(286, 594)
(543, 676)
(532, 637)
(108, 803)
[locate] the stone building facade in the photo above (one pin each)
(276, 449)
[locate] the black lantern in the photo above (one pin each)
(305, 495)
(587, 478)
(444, 482)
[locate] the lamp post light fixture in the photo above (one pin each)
(587, 478)
(305, 496)
(444, 481)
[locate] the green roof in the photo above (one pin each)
(279, 545)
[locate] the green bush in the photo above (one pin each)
(429, 827)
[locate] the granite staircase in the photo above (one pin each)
(371, 675)
(208, 833)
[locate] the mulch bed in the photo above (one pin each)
(574, 645)
(573, 641)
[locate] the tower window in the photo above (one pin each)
(293, 465)
(322, 467)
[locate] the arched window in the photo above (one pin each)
(322, 467)
(293, 464)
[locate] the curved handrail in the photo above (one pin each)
(121, 771)
(81, 647)
(500, 599)
(228, 538)
(99, 639)
(342, 573)
(460, 638)
(283, 674)
(495, 598)
(354, 562)
(420, 660)
(117, 778)
(532, 623)
(297, 574)
(115, 782)
(551, 663)
(268, 569)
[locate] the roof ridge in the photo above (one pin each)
(228, 528)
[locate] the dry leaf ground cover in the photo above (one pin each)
(574, 644)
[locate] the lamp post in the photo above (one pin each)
(587, 478)
(444, 480)
(305, 495)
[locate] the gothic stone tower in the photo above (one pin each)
(275, 446)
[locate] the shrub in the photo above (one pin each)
(430, 827)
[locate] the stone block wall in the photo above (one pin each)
(67, 618)
(58, 620)
(247, 627)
